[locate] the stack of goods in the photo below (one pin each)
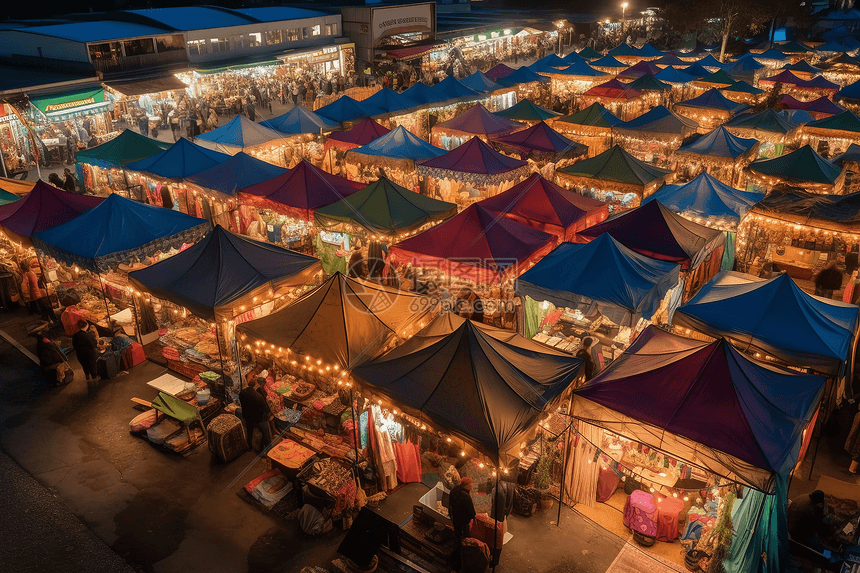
(95, 307)
(328, 475)
(269, 488)
(326, 443)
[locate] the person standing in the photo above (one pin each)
(37, 294)
(584, 353)
(69, 183)
(461, 510)
(255, 412)
(86, 349)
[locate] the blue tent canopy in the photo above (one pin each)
(705, 196)
(608, 62)
(401, 144)
(117, 230)
(386, 101)
(696, 70)
(215, 276)
(182, 159)
(237, 134)
(580, 68)
(601, 275)
(421, 94)
(451, 89)
(236, 173)
(572, 57)
(851, 91)
(649, 51)
(714, 99)
(481, 83)
(673, 76)
(776, 318)
(343, 109)
(299, 120)
(710, 61)
(522, 75)
(720, 143)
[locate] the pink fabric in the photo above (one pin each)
(668, 510)
(640, 513)
(408, 462)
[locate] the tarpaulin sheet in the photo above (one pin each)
(44, 207)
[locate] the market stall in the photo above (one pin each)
(626, 53)
(800, 88)
(708, 451)
(817, 108)
(670, 59)
(216, 189)
(774, 131)
(574, 80)
(501, 97)
(710, 110)
(638, 70)
(18, 148)
(618, 98)
(543, 205)
(719, 153)
(343, 110)
(742, 92)
(527, 112)
(529, 85)
(795, 50)
(396, 154)
(842, 69)
(477, 121)
(803, 70)
(245, 280)
(717, 80)
(599, 289)
(615, 177)
(339, 142)
(476, 246)
(656, 231)
(850, 162)
(471, 171)
(655, 91)
(776, 320)
(100, 247)
(381, 213)
(747, 70)
(773, 58)
(101, 169)
(588, 53)
(832, 135)
(801, 232)
(591, 126)
(802, 168)
(286, 204)
(300, 121)
(160, 176)
(544, 148)
(655, 135)
(849, 96)
(243, 135)
(609, 65)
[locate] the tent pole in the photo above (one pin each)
(563, 473)
(814, 454)
(107, 308)
(219, 328)
(355, 430)
(495, 516)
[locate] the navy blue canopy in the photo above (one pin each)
(522, 76)
(451, 89)
(400, 144)
(343, 109)
(224, 272)
(182, 159)
(299, 120)
(705, 197)
(601, 275)
(481, 83)
(386, 101)
(236, 173)
(714, 99)
(776, 318)
(118, 230)
(421, 94)
(485, 385)
(720, 143)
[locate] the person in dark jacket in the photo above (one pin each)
(86, 349)
(255, 412)
(461, 510)
(827, 280)
(584, 353)
(806, 518)
(69, 183)
(53, 362)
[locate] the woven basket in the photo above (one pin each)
(227, 437)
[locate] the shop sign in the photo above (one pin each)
(320, 57)
(69, 104)
(386, 22)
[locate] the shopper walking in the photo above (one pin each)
(86, 349)
(255, 412)
(584, 353)
(461, 510)
(31, 286)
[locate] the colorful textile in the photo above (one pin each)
(640, 513)
(408, 458)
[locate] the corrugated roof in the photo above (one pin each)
(195, 17)
(98, 31)
(278, 13)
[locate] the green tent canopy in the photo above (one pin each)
(718, 77)
(594, 115)
(525, 110)
(383, 208)
(616, 165)
(647, 82)
(743, 87)
(71, 104)
(6, 197)
(803, 165)
(845, 121)
(589, 53)
(127, 147)
(175, 408)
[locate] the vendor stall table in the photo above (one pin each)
(168, 383)
(289, 456)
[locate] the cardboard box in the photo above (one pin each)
(429, 499)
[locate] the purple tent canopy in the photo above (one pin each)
(479, 121)
(44, 207)
(704, 403)
(541, 138)
(474, 156)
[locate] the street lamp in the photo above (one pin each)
(623, 9)
(559, 25)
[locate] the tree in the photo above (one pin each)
(728, 18)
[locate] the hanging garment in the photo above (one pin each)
(408, 457)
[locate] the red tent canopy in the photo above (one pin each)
(474, 156)
(541, 139)
(477, 120)
(785, 78)
(477, 245)
(360, 134)
(613, 89)
(299, 191)
(44, 207)
(543, 205)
